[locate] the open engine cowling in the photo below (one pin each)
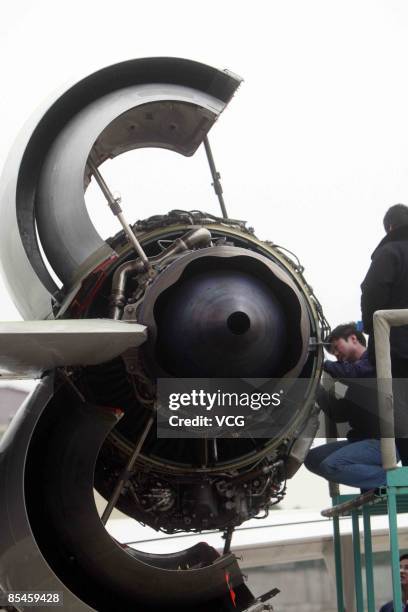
(210, 301)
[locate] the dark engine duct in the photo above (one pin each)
(224, 312)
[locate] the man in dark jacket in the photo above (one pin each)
(386, 287)
(356, 461)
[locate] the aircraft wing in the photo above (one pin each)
(29, 348)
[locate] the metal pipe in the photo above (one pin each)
(114, 205)
(394, 546)
(215, 176)
(358, 578)
(368, 556)
(383, 320)
(198, 237)
(338, 565)
(119, 285)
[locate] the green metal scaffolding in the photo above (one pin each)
(390, 500)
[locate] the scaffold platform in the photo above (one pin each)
(390, 500)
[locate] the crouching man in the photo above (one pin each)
(355, 462)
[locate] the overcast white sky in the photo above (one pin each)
(312, 149)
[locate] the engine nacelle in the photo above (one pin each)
(188, 295)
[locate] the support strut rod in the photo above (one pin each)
(228, 538)
(127, 472)
(114, 205)
(216, 177)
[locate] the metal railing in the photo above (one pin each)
(396, 483)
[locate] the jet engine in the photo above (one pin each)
(182, 295)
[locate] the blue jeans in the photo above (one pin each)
(356, 464)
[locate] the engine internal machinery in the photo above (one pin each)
(183, 295)
(217, 303)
